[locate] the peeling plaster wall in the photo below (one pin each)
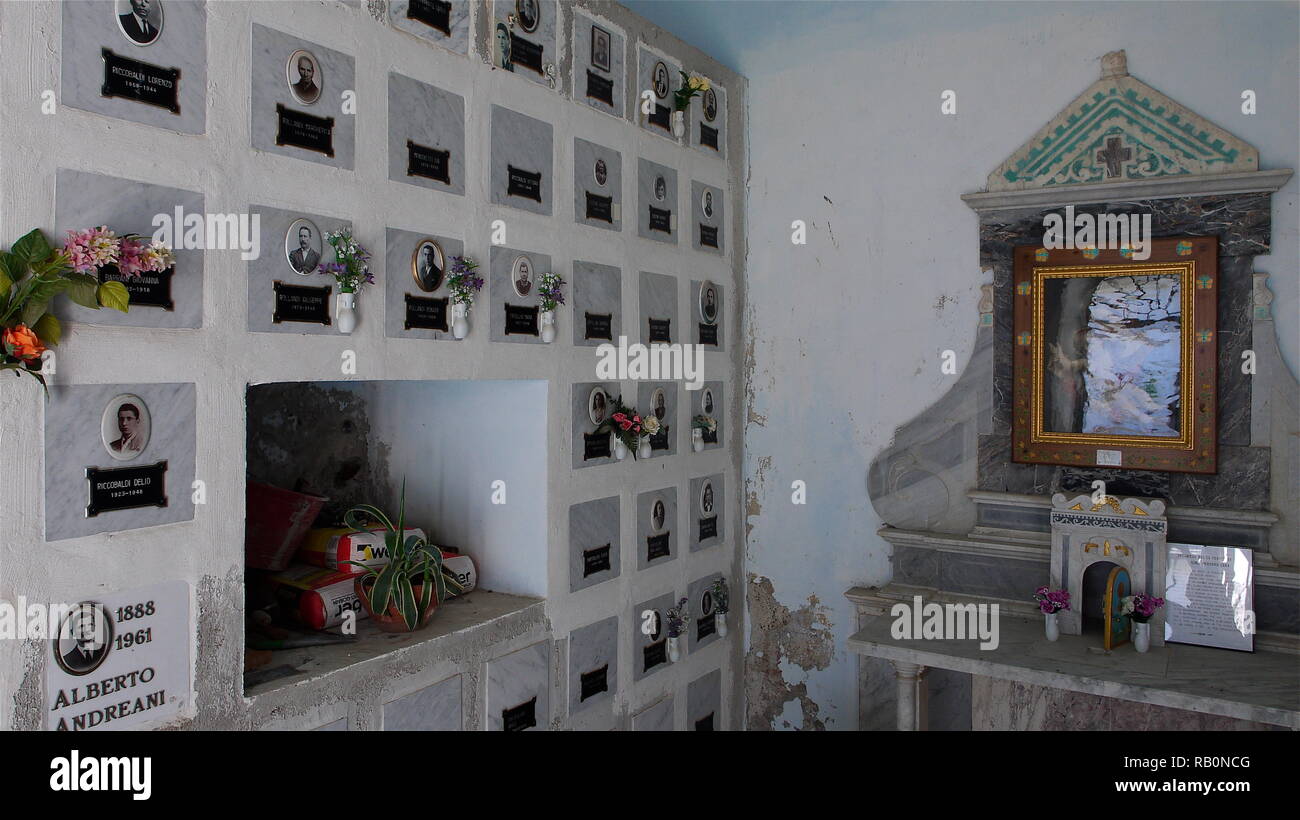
(843, 336)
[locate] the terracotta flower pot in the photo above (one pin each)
(391, 621)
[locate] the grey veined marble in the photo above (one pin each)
(656, 189)
(75, 434)
(414, 21)
(659, 302)
(433, 120)
(704, 702)
(502, 267)
(656, 718)
(524, 144)
(646, 62)
(434, 708)
(596, 196)
(593, 664)
(708, 218)
(181, 43)
(595, 545)
(399, 282)
(272, 265)
(588, 89)
(335, 73)
(596, 290)
(520, 681)
(542, 35)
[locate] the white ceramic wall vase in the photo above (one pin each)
(720, 621)
(620, 449)
(548, 326)
(674, 652)
(643, 448)
(1141, 636)
(697, 440)
(1052, 627)
(459, 320)
(679, 123)
(347, 313)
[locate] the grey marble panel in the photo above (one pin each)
(702, 608)
(656, 718)
(73, 442)
(918, 567)
(585, 155)
(658, 297)
(645, 529)
(715, 217)
(182, 43)
(695, 118)
(501, 291)
(593, 525)
(524, 143)
(516, 679)
(695, 319)
(645, 403)
(647, 174)
(271, 52)
(340, 725)
(429, 117)
(544, 35)
(1276, 609)
(271, 265)
(592, 648)
(698, 398)
(983, 575)
(434, 708)
(84, 200)
(645, 65)
(659, 605)
(596, 289)
(704, 699)
(582, 421)
(582, 63)
(399, 248)
(456, 38)
(694, 515)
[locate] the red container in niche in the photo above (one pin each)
(276, 522)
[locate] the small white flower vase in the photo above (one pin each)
(679, 123)
(1052, 627)
(459, 320)
(548, 326)
(674, 653)
(720, 621)
(643, 448)
(697, 440)
(620, 449)
(347, 312)
(1141, 636)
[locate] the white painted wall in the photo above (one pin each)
(846, 133)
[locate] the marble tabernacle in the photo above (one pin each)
(968, 524)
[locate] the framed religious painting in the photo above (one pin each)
(1115, 358)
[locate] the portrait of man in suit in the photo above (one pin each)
(706, 499)
(528, 13)
(128, 426)
(428, 266)
(302, 246)
(301, 72)
(501, 56)
(659, 516)
(83, 640)
(142, 22)
(124, 427)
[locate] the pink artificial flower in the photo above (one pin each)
(619, 417)
(91, 249)
(132, 261)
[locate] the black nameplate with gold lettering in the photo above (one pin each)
(657, 546)
(599, 88)
(659, 441)
(708, 528)
(599, 326)
(595, 445)
(708, 137)
(433, 13)
(654, 654)
(600, 207)
(126, 488)
(524, 184)
(303, 130)
(149, 289)
(661, 220)
(521, 320)
(425, 314)
(660, 117)
(301, 303)
(706, 625)
(705, 724)
(521, 717)
(525, 53)
(708, 236)
(595, 560)
(141, 82)
(430, 163)
(708, 334)
(594, 682)
(661, 331)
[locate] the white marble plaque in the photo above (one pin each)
(122, 661)
(1209, 596)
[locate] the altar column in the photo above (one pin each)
(912, 696)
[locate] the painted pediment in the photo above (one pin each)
(1122, 129)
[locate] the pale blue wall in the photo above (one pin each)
(846, 133)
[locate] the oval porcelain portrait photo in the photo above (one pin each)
(427, 265)
(658, 516)
(302, 246)
(521, 276)
(302, 73)
(597, 405)
(660, 77)
(601, 173)
(140, 21)
(706, 499)
(125, 426)
(709, 309)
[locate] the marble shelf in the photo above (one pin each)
(1261, 686)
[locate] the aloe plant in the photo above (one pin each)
(413, 562)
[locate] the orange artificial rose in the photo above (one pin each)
(21, 343)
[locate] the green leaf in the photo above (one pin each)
(406, 605)
(359, 518)
(6, 278)
(32, 248)
(114, 295)
(382, 591)
(84, 290)
(48, 329)
(33, 311)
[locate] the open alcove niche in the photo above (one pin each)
(355, 442)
